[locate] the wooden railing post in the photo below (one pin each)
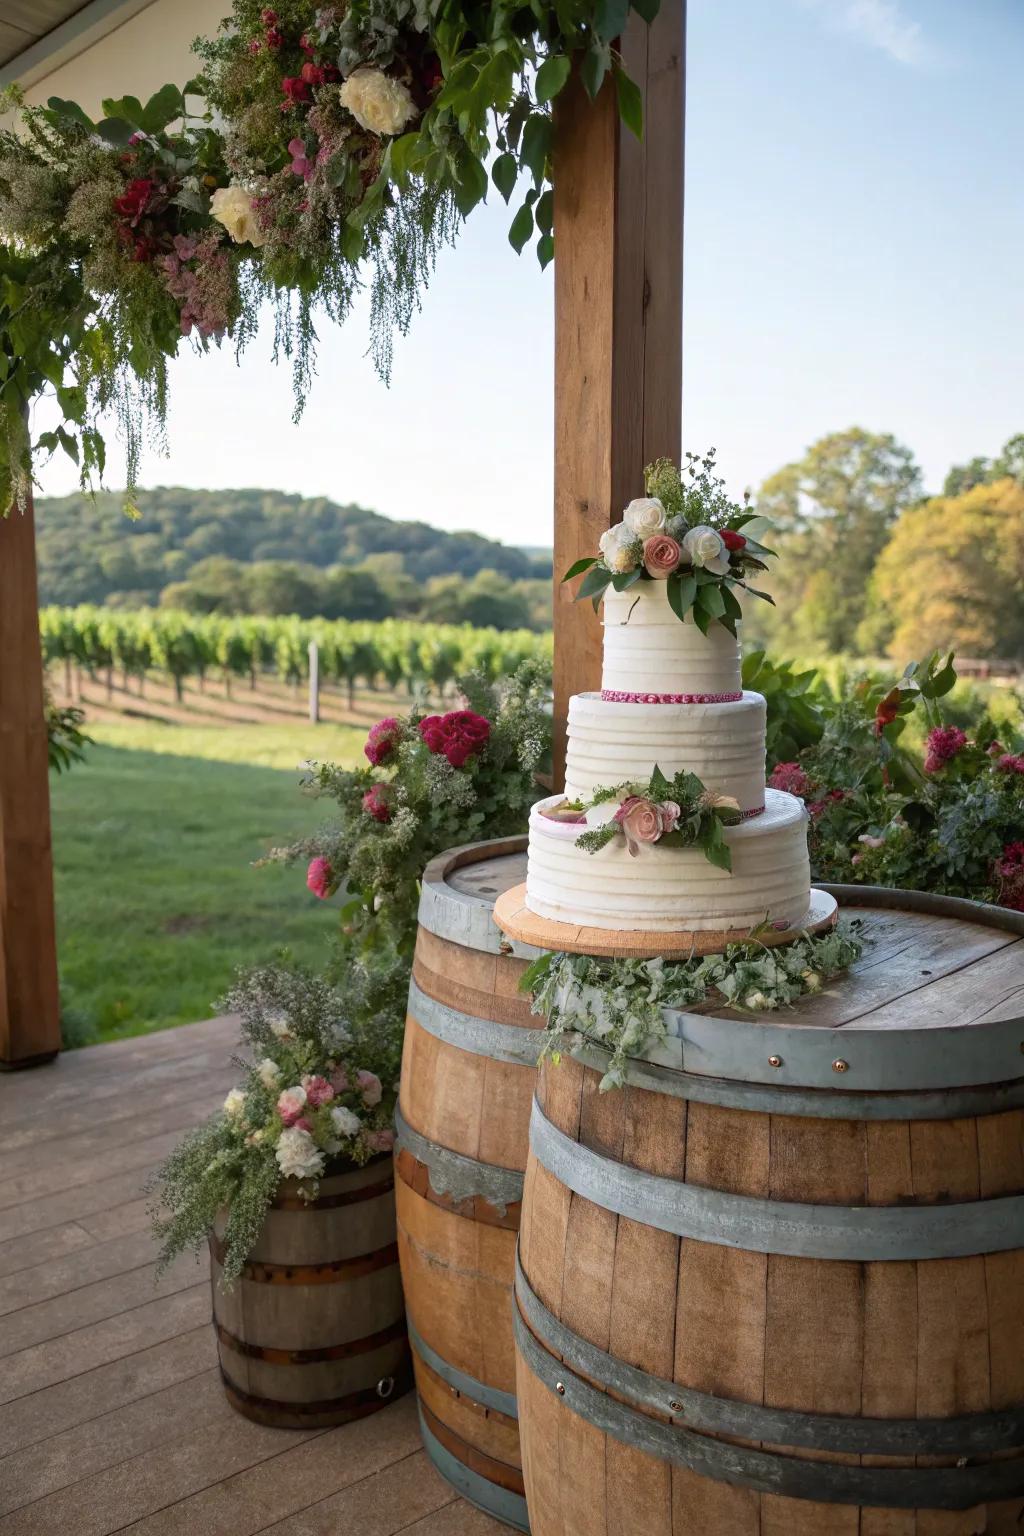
(29, 1003)
(618, 317)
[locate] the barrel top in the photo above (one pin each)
(460, 887)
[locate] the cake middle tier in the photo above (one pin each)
(612, 743)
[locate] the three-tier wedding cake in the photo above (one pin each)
(610, 852)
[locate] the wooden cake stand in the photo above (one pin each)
(517, 922)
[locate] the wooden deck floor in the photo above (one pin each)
(112, 1416)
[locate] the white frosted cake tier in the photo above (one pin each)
(647, 649)
(723, 744)
(666, 889)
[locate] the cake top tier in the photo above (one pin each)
(648, 652)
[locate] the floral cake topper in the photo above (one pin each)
(678, 813)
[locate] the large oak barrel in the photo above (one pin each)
(313, 1332)
(468, 1074)
(775, 1285)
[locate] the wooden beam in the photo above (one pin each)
(618, 318)
(29, 1002)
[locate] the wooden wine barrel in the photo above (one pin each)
(775, 1285)
(468, 1074)
(313, 1332)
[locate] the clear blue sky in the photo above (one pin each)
(854, 237)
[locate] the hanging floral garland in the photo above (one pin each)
(320, 148)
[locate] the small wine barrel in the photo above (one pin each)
(775, 1285)
(313, 1332)
(468, 1074)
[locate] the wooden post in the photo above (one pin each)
(29, 1002)
(314, 682)
(618, 318)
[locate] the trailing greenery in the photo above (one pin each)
(65, 737)
(318, 1094)
(618, 1004)
(320, 147)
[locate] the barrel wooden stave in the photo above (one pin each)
(312, 1333)
(915, 1339)
(456, 1235)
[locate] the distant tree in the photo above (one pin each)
(280, 586)
(833, 510)
(981, 471)
(214, 585)
(487, 599)
(952, 577)
(353, 594)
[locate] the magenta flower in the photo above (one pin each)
(319, 877)
(791, 778)
(1010, 762)
(943, 743)
(383, 739)
(318, 1091)
(377, 802)
(458, 736)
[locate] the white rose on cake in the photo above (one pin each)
(706, 548)
(233, 207)
(378, 103)
(644, 517)
(620, 549)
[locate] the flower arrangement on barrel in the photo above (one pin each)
(320, 147)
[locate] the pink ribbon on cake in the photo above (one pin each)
(616, 696)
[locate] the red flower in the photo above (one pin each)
(1011, 762)
(382, 740)
(458, 735)
(268, 17)
(305, 44)
(377, 802)
(1008, 871)
(733, 540)
(319, 878)
(132, 203)
(944, 743)
(295, 89)
(274, 38)
(819, 807)
(887, 711)
(313, 74)
(791, 778)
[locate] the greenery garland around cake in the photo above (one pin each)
(674, 813)
(687, 533)
(617, 1005)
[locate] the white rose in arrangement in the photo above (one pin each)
(233, 207)
(758, 1001)
(278, 1026)
(234, 1103)
(620, 549)
(644, 516)
(378, 103)
(298, 1155)
(345, 1122)
(706, 548)
(268, 1072)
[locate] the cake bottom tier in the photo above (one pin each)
(664, 889)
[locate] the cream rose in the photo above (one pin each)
(298, 1155)
(234, 1103)
(620, 549)
(268, 1072)
(233, 207)
(706, 548)
(644, 516)
(378, 103)
(345, 1122)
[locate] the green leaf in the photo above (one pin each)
(504, 174)
(551, 76)
(522, 228)
(162, 108)
(631, 103)
(623, 580)
(545, 250)
(709, 597)
(732, 606)
(681, 592)
(755, 593)
(579, 566)
(471, 186)
(714, 846)
(128, 107)
(594, 582)
(701, 618)
(596, 63)
(610, 18)
(403, 151)
(647, 9)
(544, 212)
(535, 972)
(71, 112)
(115, 131)
(536, 144)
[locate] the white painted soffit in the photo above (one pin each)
(70, 37)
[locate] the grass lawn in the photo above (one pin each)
(154, 837)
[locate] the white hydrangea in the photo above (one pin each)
(268, 1072)
(345, 1122)
(298, 1155)
(644, 517)
(234, 1104)
(378, 103)
(233, 207)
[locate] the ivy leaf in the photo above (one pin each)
(522, 228)
(579, 566)
(536, 144)
(610, 18)
(596, 63)
(545, 251)
(681, 592)
(504, 174)
(631, 103)
(551, 76)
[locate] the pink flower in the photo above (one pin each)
(383, 738)
(320, 878)
(1010, 762)
(268, 17)
(645, 821)
(459, 735)
(370, 1087)
(302, 1124)
(377, 802)
(318, 1091)
(661, 556)
(995, 749)
(871, 842)
(300, 166)
(290, 1104)
(295, 90)
(790, 778)
(1008, 870)
(274, 38)
(255, 46)
(339, 1080)
(944, 743)
(379, 1141)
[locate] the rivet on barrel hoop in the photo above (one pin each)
(840, 1065)
(560, 1388)
(385, 1387)
(775, 1061)
(505, 948)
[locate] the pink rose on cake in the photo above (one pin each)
(645, 821)
(661, 556)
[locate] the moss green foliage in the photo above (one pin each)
(617, 1004)
(296, 1031)
(319, 147)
